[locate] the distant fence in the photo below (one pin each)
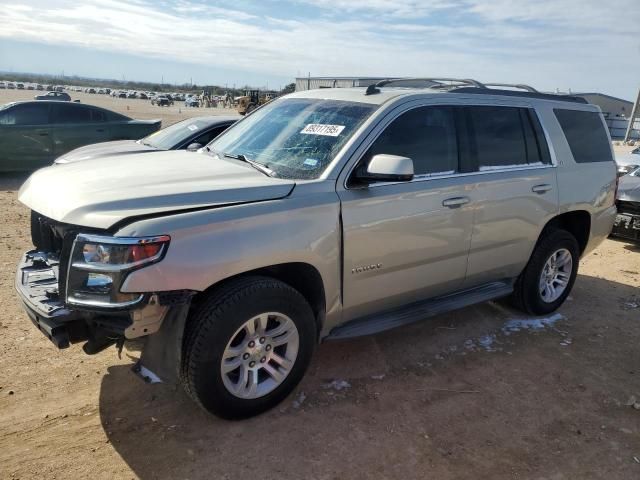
(618, 127)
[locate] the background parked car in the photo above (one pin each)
(190, 134)
(60, 96)
(34, 133)
(628, 162)
(162, 101)
(192, 102)
(627, 224)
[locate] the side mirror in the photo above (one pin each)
(194, 147)
(387, 168)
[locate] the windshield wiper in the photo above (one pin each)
(258, 166)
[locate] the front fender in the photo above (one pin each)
(212, 245)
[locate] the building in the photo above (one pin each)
(610, 106)
(312, 83)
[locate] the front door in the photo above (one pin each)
(407, 241)
(25, 136)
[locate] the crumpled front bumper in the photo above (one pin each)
(37, 285)
(627, 224)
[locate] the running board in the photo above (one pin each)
(420, 310)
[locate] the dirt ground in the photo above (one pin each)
(479, 393)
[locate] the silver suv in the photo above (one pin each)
(324, 214)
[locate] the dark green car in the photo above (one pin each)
(34, 133)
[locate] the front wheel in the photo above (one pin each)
(550, 274)
(247, 346)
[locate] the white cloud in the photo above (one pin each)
(584, 44)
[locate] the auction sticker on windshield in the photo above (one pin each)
(321, 129)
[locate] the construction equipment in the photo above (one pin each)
(252, 99)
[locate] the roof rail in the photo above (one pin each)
(375, 88)
(521, 86)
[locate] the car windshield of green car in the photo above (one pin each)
(169, 137)
(294, 137)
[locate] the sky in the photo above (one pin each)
(582, 45)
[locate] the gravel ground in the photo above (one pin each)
(483, 392)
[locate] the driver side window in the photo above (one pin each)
(427, 135)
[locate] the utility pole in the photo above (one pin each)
(634, 113)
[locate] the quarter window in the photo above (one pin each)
(586, 135)
(427, 135)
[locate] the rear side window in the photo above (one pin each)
(504, 137)
(98, 115)
(586, 135)
(69, 113)
(427, 135)
(27, 114)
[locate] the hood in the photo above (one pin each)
(119, 147)
(101, 192)
(629, 188)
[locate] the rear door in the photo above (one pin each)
(76, 125)
(515, 190)
(407, 241)
(25, 136)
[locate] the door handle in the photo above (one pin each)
(100, 130)
(43, 134)
(455, 202)
(540, 189)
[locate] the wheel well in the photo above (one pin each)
(303, 277)
(577, 223)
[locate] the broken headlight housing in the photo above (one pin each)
(99, 265)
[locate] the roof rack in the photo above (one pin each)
(375, 88)
(521, 86)
(468, 85)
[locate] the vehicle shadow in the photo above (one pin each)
(369, 429)
(628, 244)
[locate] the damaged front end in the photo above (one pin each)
(627, 223)
(70, 286)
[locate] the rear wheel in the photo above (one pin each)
(247, 346)
(550, 274)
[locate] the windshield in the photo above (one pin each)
(294, 137)
(169, 137)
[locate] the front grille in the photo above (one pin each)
(56, 240)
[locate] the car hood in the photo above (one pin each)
(101, 192)
(118, 147)
(629, 188)
(623, 159)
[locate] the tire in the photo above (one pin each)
(528, 295)
(222, 319)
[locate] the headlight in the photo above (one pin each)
(98, 266)
(625, 169)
